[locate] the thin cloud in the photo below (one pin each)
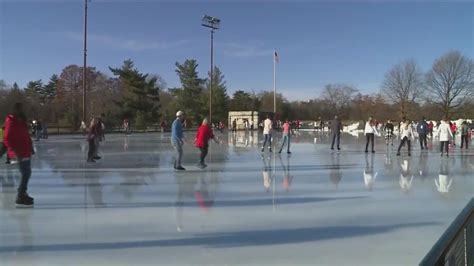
(241, 50)
(131, 45)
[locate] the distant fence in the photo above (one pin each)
(56, 130)
(456, 246)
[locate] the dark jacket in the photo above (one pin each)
(389, 127)
(17, 138)
(93, 132)
(336, 126)
(422, 127)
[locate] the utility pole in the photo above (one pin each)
(84, 70)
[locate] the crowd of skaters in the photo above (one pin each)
(17, 141)
(407, 129)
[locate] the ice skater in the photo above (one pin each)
(406, 135)
(444, 135)
(389, 128)
(204, 134)
(267, 134)
(286, 129)
(18, 141)
(100, 135)
(126, 127)
(430, 130)
(92, 135)
(422, 130)
(370, 132)
(234, 126)
(336, 129)
(177, 139)
(464, 135)
(454, 130)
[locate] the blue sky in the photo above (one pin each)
(318, 43)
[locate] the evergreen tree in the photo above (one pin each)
(141, 98)
(50, 89)
(242, 101)
(34, 87)
(38, 92)
(220, 99)
(190, 96)
(34, 91)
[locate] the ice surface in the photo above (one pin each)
(313, 207)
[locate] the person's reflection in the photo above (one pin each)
(251, 138)
(406, 177)
(94, 187)
(125, 143)
(465, 167)
(267, 181)
(21, 216)
(444, 182)
(185, 189)
(388, 161)
(234, 139)
(199, 186)
(335, 174)
(369, 175)
(7, 196)
(287, 177)
(83, 146)
(424, 170)
(203, 193)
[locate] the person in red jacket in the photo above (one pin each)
(18, 141)
(204, 134)
(454, 130)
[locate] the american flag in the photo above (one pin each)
(275, 57)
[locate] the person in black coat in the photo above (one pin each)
(422, 130)
(336, 129)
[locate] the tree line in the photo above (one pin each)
(447, 89)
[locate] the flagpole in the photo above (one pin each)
(274, 122)
(274, 83)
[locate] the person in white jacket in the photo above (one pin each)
(406, 135)
(370, 132)
(267, 133)
(444, 135)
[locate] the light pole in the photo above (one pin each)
(213, 23)
(84, 70)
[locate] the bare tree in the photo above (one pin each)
(451, 81)
(403, 85)
(338, 96)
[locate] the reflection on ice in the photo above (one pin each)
(369, 174)
(444, 181)
(406, 177)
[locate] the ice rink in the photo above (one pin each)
(313, 207)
